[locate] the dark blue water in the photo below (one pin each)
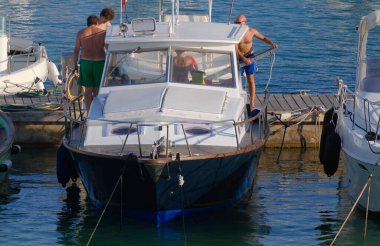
(317, 39)
(293, 203)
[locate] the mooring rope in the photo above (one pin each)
(181, 182)
(287, 124)
(368, 183)
(270, 70)
(104, 210)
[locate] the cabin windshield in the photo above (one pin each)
(139, 67)
(199, 67)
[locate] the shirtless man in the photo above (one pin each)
(245, 52)
(90, 42)
(182, 66)
(105, 18)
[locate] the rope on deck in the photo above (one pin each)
(297, 117)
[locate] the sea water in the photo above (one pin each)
(317, 39)
(293, 202)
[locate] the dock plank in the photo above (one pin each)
(283, 105)
(290, 100)
(277, 102)
(307, 100)
(298, 100)
(328, 101)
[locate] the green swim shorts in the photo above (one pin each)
(90, 73)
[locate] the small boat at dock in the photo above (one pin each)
(161, 142)
(351, 130)
(24, 65)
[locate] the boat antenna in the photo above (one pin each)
(232, 6)
(210, 9)
(123, 6)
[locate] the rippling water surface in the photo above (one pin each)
(317, 39)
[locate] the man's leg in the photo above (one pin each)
(88, 97)
(252, 90)
(95, 92)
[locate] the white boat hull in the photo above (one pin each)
(356, 177)
(25, 78)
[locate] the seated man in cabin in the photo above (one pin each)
(182, 66)
(245, 52)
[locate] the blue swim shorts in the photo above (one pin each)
(248, 69)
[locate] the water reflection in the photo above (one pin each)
(293, 202)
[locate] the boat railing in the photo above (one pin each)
(256, 126)
(370, 110)
(29, 55)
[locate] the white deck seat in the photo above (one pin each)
(187, 18)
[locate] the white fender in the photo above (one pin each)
(40, 85)
(53, 73)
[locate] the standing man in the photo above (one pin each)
(245, 52)
(90, 43)
(105, 18)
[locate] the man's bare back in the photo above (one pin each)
(91, 40)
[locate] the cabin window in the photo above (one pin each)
(201, 67)
(138, 67)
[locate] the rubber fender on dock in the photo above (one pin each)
(329, 125)
(332, 154)
(65, 166)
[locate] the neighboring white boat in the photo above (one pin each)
(7, 135)
(158, 147)
(24, 65)
(357, 123)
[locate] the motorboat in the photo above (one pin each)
(24, 64)
(161, 146)
(351, 130)
(7, 135)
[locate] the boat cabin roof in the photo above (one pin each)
(203, 34)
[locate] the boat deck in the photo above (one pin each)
(251, 139)
(29, 100)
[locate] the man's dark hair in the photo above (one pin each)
(92, 20)
(108, 14)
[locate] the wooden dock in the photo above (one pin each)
(38, 122)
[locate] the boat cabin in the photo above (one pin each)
(159, 73)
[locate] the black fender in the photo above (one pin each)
(332, 154)
(329, 125)
(65, 166)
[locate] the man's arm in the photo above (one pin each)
(264, 39)
(76, 52)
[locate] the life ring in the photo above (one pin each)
(332, 154)
(329, 125)
(73, 89)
